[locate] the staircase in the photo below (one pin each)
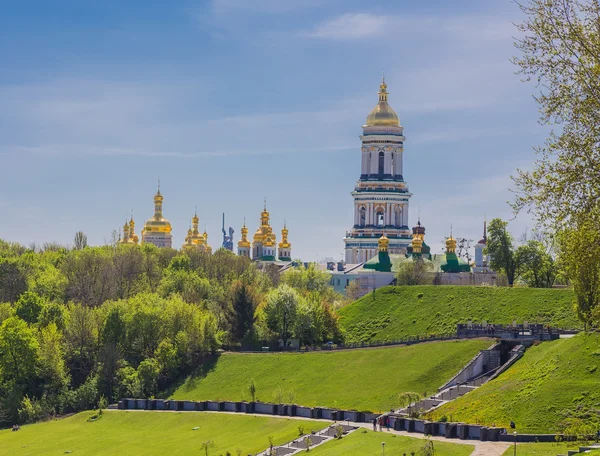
(484, 366)
(584, 449)
(297, 446)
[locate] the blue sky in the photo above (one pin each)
(231, 101)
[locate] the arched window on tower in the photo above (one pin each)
(380, 217)
(393, 165)
(362, 216)
(381, 162)
(398, 216)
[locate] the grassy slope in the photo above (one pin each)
(363, 442)
(367, 379)
(552, 379)
(544, 449)
(398, 312)
(149, 433)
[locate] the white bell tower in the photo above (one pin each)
(381, 196)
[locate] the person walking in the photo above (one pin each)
(387, 422)
(375, 424)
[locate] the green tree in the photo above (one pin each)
(561, 55)
(500, 247)
(281, 310)
(52, 364)
(415, 272)
(29, 307)
(538, 268)
(148, 371)
(579, 253)
(242, 312)
(12, 280)
(19, 352)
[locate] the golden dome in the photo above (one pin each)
(284, 244)
(384, 242)
(417, 243)
(157, 223)
(450, 244)
(383, 114)
(244, 241)
(258, 236)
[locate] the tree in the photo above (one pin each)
(29, 307)
(242, 312)
(252, 389)
(281, 311)
(579, 253)
(407, 399)
(148, 371)
(501, 250)
(12, 280)
(206, 446)
(538, 268)
(560, 53)
(463, 248)
(19, 352)
(414, 272)
(80, 241)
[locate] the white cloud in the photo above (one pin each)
(350, 27)
(261, 6)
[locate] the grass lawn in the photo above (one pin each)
(366, 379)
(545, 449)
(363, 442)
(553, 381)
(398, 312)
(150, 433)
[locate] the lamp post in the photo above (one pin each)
(382, 448)
(515, 443)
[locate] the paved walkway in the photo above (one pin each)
(481, 448)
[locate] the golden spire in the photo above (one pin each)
(284, 244)
(244, 241)
(383, 243)
(134, 237)
(206, 246)
(383, 114)
(450, 243)
(157, 223)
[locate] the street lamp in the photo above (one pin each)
(515, 443)
(382, 448)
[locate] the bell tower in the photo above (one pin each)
(381, 195)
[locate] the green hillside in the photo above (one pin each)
(399, 312)
(367, 379)
(150, 434)
(554, 381)
(363, 442)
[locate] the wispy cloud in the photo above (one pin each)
(262, 6)
(350, 26)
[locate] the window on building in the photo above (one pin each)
(380, 218)
(381, 163)
(362, 216)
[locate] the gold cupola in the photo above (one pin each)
(284, 244)
(450, 244)
(134, 237)
(157, 224)
(206, 246)
(196, 237)
(383, 243)
(125, 239)
(383, 115)
(244, 241)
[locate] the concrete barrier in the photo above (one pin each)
(189, 406)
(230, 406)
(212, 406)
(261, 407)
(305, 412)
